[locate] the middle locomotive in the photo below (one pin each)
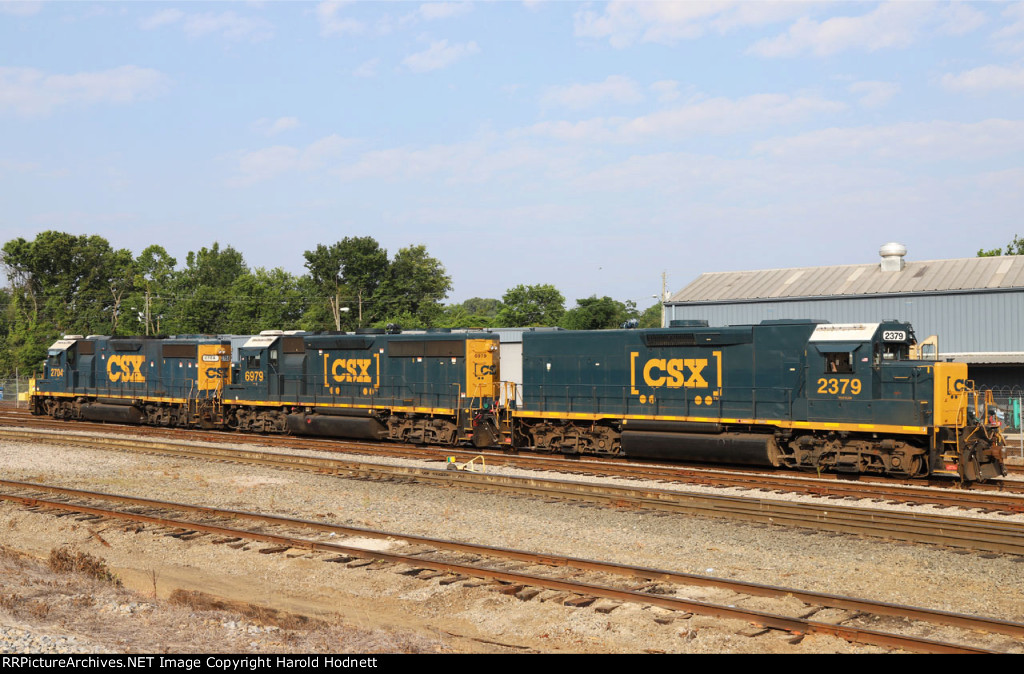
(435, 388)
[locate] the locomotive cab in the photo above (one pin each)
(864, 383)
(60, 362)
(862, 372)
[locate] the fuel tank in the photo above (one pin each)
(119, 414)
(741, 448)
(360, 428)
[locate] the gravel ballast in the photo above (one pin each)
(459, 618)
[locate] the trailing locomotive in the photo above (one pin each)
(134, 380)
(798, 394)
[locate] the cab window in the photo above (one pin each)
(887, 351)
(839, 363)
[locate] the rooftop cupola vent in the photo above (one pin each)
(892, 256)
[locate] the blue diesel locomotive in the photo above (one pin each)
(799, 394)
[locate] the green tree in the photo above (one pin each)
(598, 314)
(535, 305)
(202, 290)
(651, 316)
(476, 312)
(482, 306)
(1015, 247)
(120, 282)
(415, 286)
(264, 300)
(62, 283)
(154, 283)
(348, 272)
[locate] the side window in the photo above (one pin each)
(895, 351)
(838, 363)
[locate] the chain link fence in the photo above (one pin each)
(1009, 410)
(10, 387)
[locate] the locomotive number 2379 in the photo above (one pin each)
(837, 386)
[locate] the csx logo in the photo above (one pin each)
(675, 372)
(351, 370)
(126, 368)
(959, 385)
(691, 373)
(214, 373)
(486, 370)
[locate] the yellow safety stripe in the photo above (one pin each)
(781, 423)
(43, 394)
(264, 403)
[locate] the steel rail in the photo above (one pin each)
(955, 531)
(760, 618)
(1001, 496)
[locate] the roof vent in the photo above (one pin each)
(892, 256)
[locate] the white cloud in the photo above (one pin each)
(229, 25)
(910, 142)
(1010, 38)
(960, 18)
(615, 89)
(439, 55)
(624, 23)
(367, 68)
(331, 23)
(31, 92)
(443, 10)
(260, 165)
(720, 116)
(874, 94)
(163, 18)
(666, 90)
(272, 127)
(20, 7)
(986, 78)
(891, 25)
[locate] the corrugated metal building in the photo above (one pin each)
(974, 305)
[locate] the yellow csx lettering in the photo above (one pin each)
(351, 370)
(671, 372)
(125, 368)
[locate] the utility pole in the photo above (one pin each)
(664, 296)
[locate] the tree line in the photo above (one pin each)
(61, 284)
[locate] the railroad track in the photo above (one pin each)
(980, 533)
(1000, 496)
(528, 575)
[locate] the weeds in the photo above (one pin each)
(67, 561)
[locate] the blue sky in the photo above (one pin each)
(591, 146)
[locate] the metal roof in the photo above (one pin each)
(986, 358)
(929, 276)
